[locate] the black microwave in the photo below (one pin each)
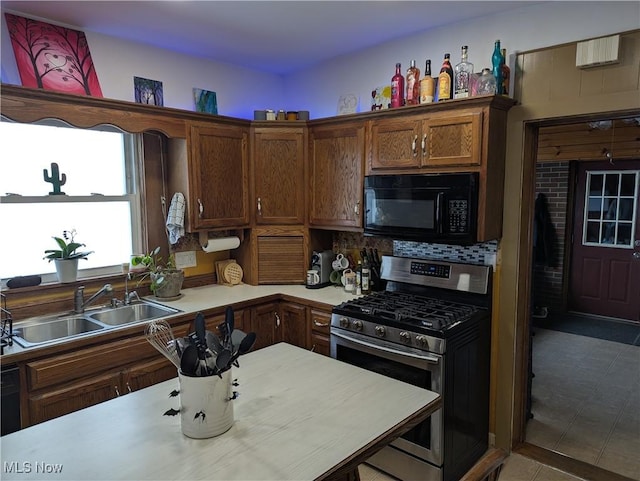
(439, 208)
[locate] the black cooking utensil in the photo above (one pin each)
(189, 361)
(245, 346)
(229, 323)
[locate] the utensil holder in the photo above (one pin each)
(206, 406)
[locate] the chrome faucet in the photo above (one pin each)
(129, 296)
(79, 304)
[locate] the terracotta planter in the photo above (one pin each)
(170, 285)
(67, 270)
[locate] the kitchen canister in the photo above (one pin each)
(206, 405)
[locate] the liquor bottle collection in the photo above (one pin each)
(453, 82)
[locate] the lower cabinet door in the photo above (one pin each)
(320, 343)
(72, 397)
(148, 374)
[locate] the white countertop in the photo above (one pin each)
(300, 416)
(213, 296)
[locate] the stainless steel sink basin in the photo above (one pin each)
(59, 328)
(131, 313)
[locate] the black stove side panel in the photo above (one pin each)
(466, 397)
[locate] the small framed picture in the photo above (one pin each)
(206, 101)
(147, 91)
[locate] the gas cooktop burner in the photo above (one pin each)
(408, 309)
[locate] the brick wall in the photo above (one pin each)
(552, 180)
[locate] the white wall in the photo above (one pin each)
(240, 91)
(527, 28)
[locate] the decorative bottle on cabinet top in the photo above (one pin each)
(462, 75)
(397, 88)
(486, 83)
(445, 80)
(413, 84)
(427, 85)
(497, 62)
(506, 73)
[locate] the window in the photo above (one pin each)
(610, 213)
(100, 200)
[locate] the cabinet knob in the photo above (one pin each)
(277, 319)
(259, 206)
(424, 144)
(320, 324)
(117, 391)
(128, 387)
(356, 208)
(200, 208)
(413, 146)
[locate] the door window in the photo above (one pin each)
(610, 208)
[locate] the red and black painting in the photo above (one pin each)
(52, 57)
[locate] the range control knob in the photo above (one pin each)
(380, 331)
(344, 322)
(405, 336)
(357, 325)
(422, 341)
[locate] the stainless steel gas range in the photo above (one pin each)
(430, 327)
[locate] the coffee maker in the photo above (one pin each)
(321, 263)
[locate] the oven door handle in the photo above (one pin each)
(431, 359)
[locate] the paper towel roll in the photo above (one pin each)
(221, 244)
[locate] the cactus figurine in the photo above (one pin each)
(55, 179)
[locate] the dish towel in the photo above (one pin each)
(175, 218)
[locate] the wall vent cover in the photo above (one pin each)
(599, 51)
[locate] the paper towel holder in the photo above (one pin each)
(223, 243)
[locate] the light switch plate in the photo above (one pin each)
(185, 259)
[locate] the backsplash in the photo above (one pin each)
(484, 253)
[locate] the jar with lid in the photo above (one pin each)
(271, 114)
(486, 83)
(282, 115)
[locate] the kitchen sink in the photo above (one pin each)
(131, 313)
(45, 329)
(59, 328)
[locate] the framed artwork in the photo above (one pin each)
(51, 57)
(147, 91)
(347, 104)
(381, 98)
(206, 101)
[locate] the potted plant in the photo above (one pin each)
(66, 257)
(166, 279)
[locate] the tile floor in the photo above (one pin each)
(516, 468)
(586, 400)
(586, 404)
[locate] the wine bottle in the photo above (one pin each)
(497, 62)
(445, 80)
(413, 84)
(397, 88)
(506, 73)
(427, 85)
(462, 75)
(365, 276)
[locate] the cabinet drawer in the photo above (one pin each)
(320, 321)
(87, 362)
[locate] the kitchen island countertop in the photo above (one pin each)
(300, 416)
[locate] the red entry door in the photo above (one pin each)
(605, 255)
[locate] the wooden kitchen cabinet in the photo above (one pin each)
(294, 324)
(266, 323)
(212, 171)
(278, 159)
(431, 140)
(336, 163)
(464, 135)
(276, 321)
(64, 383)
(319, 322)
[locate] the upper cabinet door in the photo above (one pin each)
(279, 173)
(336, 174)
(452, 139)
(218, 176)
(395, 144)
